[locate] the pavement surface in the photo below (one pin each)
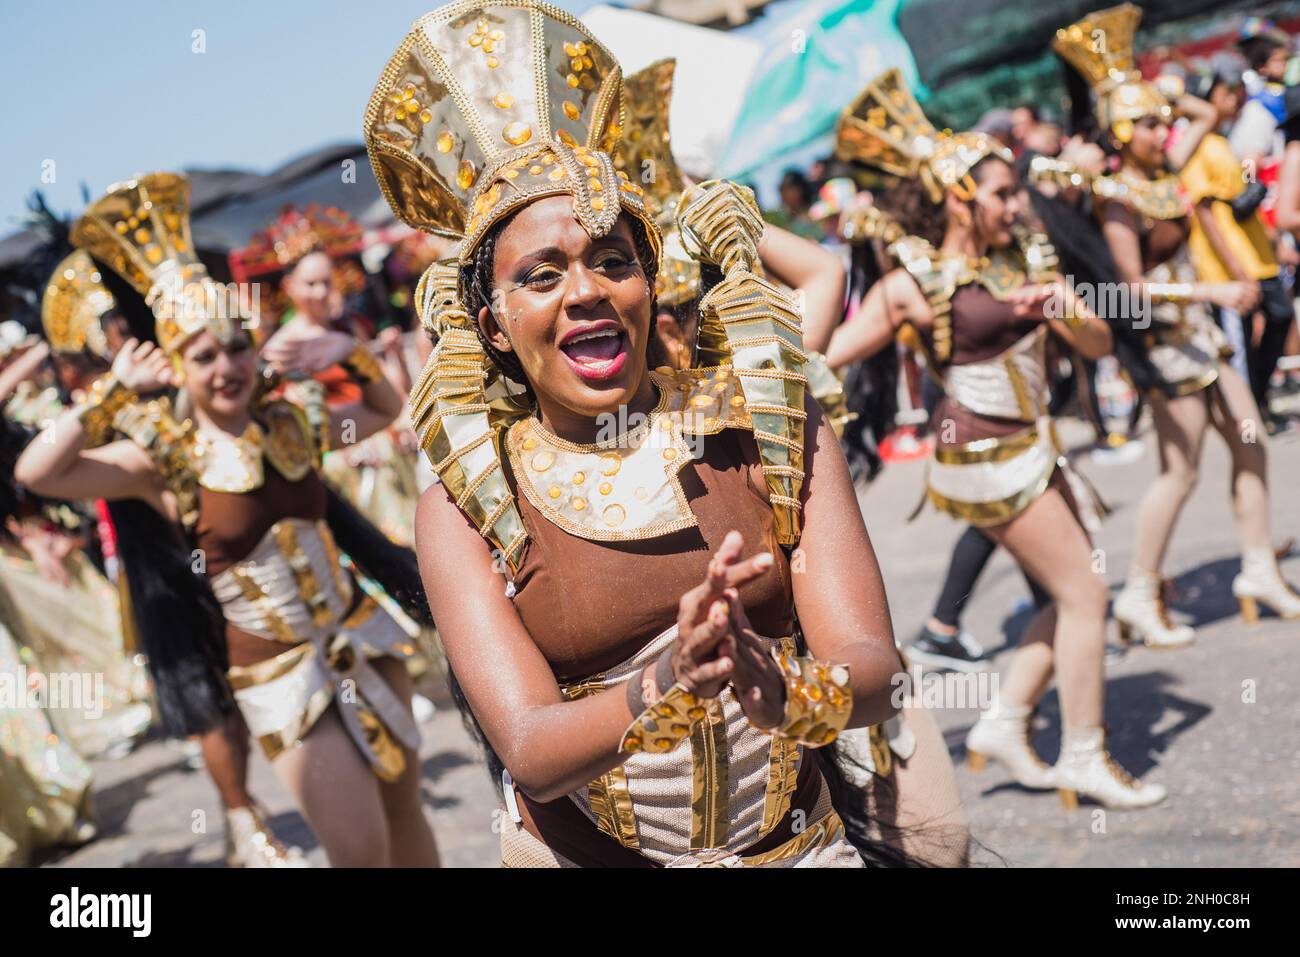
(1217, 723)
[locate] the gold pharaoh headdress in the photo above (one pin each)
(74, 301)
(488, 105)
(1100, 47)
(141, 230)
(884, 127)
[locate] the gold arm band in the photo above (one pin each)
(363, 366)
(105, 398)
(1170, 291)
(818, 701)
(666, 722)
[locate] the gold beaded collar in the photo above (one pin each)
(625, 487)
(233, 464)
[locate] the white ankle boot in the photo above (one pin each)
(1003, 734)
(1260, 582)
(250, 843)
(1085, 768)
(1140, 612)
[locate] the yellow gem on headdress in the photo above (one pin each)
(529, 444)
(475, 39)
(512, 174)
(425, 116)
(555, 491)
(548, 159)
(572, 80)
(141, 236)
(445, 141)
(517, 133)
(557, 174)
(496, 35)
(567, 138)
(570, 49)
(503, 101)
(670, 454)
(493, 63)
(579, 503)
(571, 110)
(581, 47)
(597, 203)
(595, 185)
(579, 478)
(614, 515)
(605, 488)
(535, 170)
(121, 227)
(465, 175)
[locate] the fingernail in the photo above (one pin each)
(763, 560)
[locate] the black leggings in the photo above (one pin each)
(971, 554)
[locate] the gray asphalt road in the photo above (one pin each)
(1217, 723)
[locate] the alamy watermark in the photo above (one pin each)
(52, 691)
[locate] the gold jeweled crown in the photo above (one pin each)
(884, 127)
(141, 230)
(74, 301)
(488, 105)
(1100, 47)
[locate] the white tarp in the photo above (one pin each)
(713, 72)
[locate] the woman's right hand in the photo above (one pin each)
(142, 367)
(704, 619)
(1240, 297)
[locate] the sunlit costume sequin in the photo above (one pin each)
(488, 106)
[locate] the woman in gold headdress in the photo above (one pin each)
(242, 547)
(586, 569)
(1146, 222)
(980, 296)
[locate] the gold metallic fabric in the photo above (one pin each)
(754, 326)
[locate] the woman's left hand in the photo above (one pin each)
(756, 677)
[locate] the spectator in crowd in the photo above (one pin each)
(1229, 243)
(1267, 50)
(796, 199)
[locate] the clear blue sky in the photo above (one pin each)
(108, 89)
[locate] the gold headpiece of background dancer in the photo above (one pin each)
(1100, 47)
(646, 155)
(141, 230)
(74, 301)
(885, 127)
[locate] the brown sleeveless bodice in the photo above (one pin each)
(589, 605)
